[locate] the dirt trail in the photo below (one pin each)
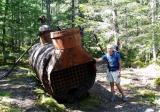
(18, 92)
(132, 81)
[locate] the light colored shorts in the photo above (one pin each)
(112, 76)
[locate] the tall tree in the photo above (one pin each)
(115, 23)
(48, 11)
(4, 30)
(73, 13)
(153, 11)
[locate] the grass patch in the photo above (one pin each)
(39, 91)
(157, 101)
(51, 104)
(6, 108)
(157, 81)
(23, 68)
(4, 66)
(27, 73)
(18, 72)
(24, 75)
(4, 94)
(148, 95)
(48, 102)
(89, 103)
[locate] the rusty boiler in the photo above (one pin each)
(62, 65)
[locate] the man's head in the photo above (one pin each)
(109, 49)
(42, 19)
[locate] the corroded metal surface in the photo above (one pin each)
(64, 70)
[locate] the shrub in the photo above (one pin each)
(138, 63)
(148, 95)
(157, 81)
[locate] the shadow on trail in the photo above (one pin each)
(17, 90)
(99, 101)
(22, 87)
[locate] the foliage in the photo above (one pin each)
(132, 25)
(48, 102)
(4, 94)
(149, 95)
(157, 81)
(138, 63)
(134, 28)
(51, 104)
(89, 103)
(5, 108)
(39, 91)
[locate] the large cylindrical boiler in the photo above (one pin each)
(62, 65)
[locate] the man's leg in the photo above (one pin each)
(111, 80)
(112, 87)
(121, 91)
(112, 91)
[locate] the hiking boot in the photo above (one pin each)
(124, 98)
(113, 98)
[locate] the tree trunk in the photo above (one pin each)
(137, 29)
(49, 18)
(42, 6)
(11, 27)
(4, 32)
(77, 7)
(73, 13)
(126, 25)
(115, 24)
(153, 11)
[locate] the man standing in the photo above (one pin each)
(114, 70)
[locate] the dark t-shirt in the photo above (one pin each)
(112, 60)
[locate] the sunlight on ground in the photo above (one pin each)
(15, 101)
(141, 95)
(51, 103)
(8, 108)
(152, 70)
(149, 110)
(125, 81)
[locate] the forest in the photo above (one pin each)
(134, 22)
(134, 25)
